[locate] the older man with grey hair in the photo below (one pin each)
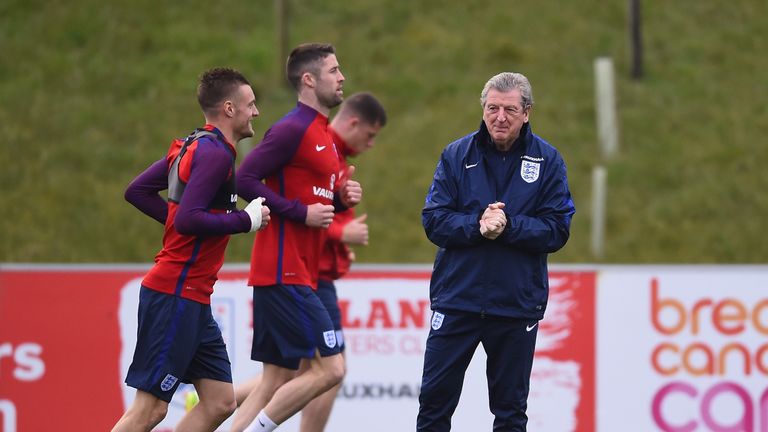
(499, 203)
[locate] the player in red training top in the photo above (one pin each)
(354, 130)
(300, 165)
(178, 340)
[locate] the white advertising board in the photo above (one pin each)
(682, 348)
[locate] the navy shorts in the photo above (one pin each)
(178, 341)
(289, 324)
(326, 291)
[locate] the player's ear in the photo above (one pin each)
(308, 79)
(229, 108)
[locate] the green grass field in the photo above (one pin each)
(92, 92)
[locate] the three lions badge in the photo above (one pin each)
(529, 171)
(437, 320)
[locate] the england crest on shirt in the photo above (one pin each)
(529, 171)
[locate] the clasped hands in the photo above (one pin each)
(493, 221)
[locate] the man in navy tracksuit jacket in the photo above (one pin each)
(498, 204)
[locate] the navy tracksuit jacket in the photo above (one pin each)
(507, 276)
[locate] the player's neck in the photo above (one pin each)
(228, 132)
(309, 99)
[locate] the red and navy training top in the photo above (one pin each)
(199, 215)
(299, 164)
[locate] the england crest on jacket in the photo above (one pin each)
(529, 170)
(437, 320)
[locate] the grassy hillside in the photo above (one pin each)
(92, 92)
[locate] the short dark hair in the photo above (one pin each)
(366, 106)
(306, 58)
(216, 85)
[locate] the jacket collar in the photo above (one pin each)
(485, 142)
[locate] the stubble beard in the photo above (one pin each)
(331, 101)
(245, 132)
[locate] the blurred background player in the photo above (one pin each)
(354, 130)
(178, 340)
(299, 163)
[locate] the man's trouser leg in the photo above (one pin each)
(449, 350)
(509, 346)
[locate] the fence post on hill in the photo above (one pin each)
(281, 28)
(598, 211)
(636, 39)
(605, 98)
(608, 137)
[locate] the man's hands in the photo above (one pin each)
(351, 192)
(319, 215)
(493, 221)
(355, 231)
(258, 213)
